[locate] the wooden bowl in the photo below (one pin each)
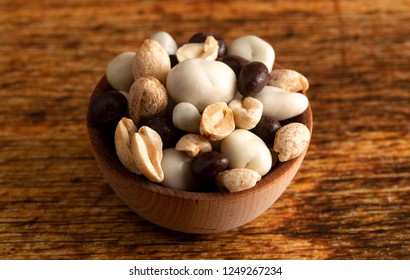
(189, 211)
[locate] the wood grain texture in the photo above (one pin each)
(350, 199)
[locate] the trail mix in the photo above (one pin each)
(203, 114)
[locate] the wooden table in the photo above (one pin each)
(350, 199)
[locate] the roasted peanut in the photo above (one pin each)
(291, 141)
(151, 60)
(217, 121)
(288, 80)
(247, 112)
(237, 179)
(123, 134)
(146, 148)
(147, 98)
(200, 37)
(193, 144)
(207, 50)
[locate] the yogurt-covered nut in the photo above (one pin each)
(177, 170)
(193, 144)
(288, 80)
(166, 41)
(123, 133)
(247, 112)
(217, 121)
(253, 48)
(246, 150)
(186, 117)
(146, 148)
(207, 50)
(280, 105)
(147, 98)
(201, 83)
(237, 179)
(151, 60)
(291, 141)
(119, 71)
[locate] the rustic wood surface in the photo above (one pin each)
(350, 199)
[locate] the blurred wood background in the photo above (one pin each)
(350, 199)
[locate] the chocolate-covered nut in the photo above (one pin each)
(173, 59)
(166, 129)
(206, 165)
(200, 37)
(108, 108)
(252, 78)
(235, 62)
(222, 45)
(266, 130)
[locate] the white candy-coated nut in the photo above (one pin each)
(247, 112)
(201, 82)
(151, 60)
(217, 121)
(253, 48)
(246, 150)
(281, 105)
(123, 133)
(193, 144)
(288, 80)
(291, 141)
(146, 148)
(186, 117)
(177, 170)
(119, 71)
(147, 98)
(237, 179)
(207, 50)
(166, 41)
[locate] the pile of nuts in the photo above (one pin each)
(204, 116)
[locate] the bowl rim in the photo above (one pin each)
(110, 158)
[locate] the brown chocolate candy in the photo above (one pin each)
(108, 108)
(266, 130)
(166, 129)
(206, 165)
(252, 78)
